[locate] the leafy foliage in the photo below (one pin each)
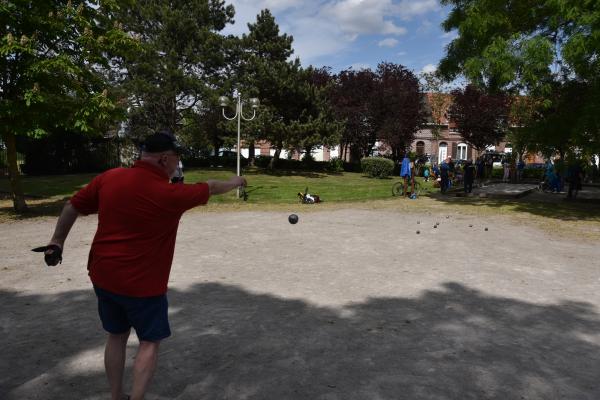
(54, 64)
(353, 99)
(481, 119)
(377, 167)
(385, 104)
(399, 111)
(55, 60)
(182, 58)
(294, 113)
(548, 50)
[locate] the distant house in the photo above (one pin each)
(438, 138)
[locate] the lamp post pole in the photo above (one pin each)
(239, 114)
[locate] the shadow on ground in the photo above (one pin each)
(452, 343)
(540, 204)
(36, 208)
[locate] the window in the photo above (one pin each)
(461, 151)
(443, 152)
(420, 148)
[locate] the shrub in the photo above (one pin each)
(533, 173)
(336, 165)
(377, 167)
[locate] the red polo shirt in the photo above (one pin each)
(138, 215)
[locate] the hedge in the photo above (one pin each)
(377, 167)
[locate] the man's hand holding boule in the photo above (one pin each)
(52, 254)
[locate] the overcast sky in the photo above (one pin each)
(355, 33)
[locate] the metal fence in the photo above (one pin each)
(96, 156)
(4, 159)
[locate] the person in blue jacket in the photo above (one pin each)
(445, 175)
(406, 174)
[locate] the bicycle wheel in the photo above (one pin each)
(398, 189)
(417, 188)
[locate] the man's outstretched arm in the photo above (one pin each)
(64, 224)
(220, 187)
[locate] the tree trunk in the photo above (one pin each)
(251, 153)
(275, 156)
(217, 145)
(13, 173)
(308, 153)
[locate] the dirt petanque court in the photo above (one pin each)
(347, 304)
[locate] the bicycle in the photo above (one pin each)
(546, 186)
(398, 189)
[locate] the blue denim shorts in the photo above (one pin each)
(147, 315)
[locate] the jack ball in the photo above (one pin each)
(293, 218)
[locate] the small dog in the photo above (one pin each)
(309, 198)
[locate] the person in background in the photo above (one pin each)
(178, 178)
(575, 178)
(445, 175)
(469, 176)
(480, 171)
(435, 170)
(506, 166)
(406, 173)
(520, 169)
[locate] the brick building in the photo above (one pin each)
(447, 141)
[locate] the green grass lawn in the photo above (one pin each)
(280, 187)
(278, 191)
(283, 187)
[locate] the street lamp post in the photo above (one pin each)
(254, 103)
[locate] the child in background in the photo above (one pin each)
(426, 173)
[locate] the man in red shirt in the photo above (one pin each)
(131, 255)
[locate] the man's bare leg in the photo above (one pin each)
(114, 363)
(143, 369)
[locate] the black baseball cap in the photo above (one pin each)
(161, 141)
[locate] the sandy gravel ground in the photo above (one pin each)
(347, 304)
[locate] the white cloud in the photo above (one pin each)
(326, 31)
(388, 42)
(429, 68)
(408, 9)
(402, 53)
(315, 38)
(247, 10)
(356, 17)
(360, 66)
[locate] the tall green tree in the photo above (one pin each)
(398, 106)
(54, 65)
(481, 119)
(183, 59)
(353, 98)
(385, 104)
(294, 113)
(541, 48)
